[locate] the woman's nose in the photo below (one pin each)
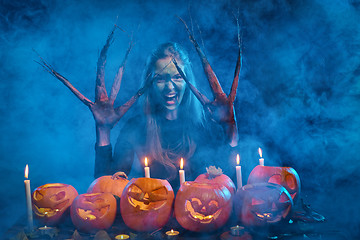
(169, 84)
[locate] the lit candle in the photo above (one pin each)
(182, 172)
(51, 231)
(28, 198)
(261, 160)
(238, 172)
(237, 230)
(147, 169)
(172, 234)
(122, 236)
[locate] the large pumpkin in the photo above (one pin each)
(146, 203)
(114, 184)
(91, 212)
(202, 207)
(215, 176)
(284, 176)
(260, 204)
(51, 201)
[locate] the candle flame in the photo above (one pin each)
(237, 159)
(172, 230)
(26, 171)
(181, 163)
(260, 152)
(146, 162)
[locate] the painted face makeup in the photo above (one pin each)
(169, 85)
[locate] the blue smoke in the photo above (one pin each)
(298, 95)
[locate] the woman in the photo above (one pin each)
(172, 125)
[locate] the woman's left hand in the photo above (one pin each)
(221, 109)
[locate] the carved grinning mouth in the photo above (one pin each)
(145, 204)
(92, 214)
(50, 212)
(199, 217)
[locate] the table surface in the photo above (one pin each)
(296, 230)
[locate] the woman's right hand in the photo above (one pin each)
(104, 113)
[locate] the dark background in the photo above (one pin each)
(298, 95)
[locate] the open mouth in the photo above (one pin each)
(199, 217)
(171, 99)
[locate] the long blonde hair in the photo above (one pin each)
(190, 111)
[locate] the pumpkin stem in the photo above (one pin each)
(119, 175)
(213, 172)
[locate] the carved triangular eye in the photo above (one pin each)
(38, 196)
(136, 192)
(158, 194)
(59, 196)
(275, 179)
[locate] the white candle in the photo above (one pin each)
(28, 198)
(147, 169)
(238, 172)
(261, 160)
(182, 172)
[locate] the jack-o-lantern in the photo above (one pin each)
(260, 204)
(202, 207)
(51, 201)
(146, 203)
(114, 184)
(215, 176)
(91, 212)
(284, 176)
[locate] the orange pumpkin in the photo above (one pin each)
(202, 207)
(146, 204)
(284, 176)
(114, 184)
(91, 212)
(215, 176)
(51, 201)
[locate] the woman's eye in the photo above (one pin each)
(159, 80)
(177, 78)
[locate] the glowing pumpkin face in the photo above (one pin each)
(202, 207)
(262, 203)
(284, 176)
(146, 203)
(51, 201)
(91, 212)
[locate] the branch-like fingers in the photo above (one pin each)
(100, 90)
(120, 111)
(235, 82)
(48, 68)
(210, 75)
(117, 81)
(234, 85)
(202, 98)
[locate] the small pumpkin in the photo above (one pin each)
(114, 184)
(284, 176)
(146, 204)
(201, 207)
(91, 212)
(215, 176)
(51, 201)
(260, 204)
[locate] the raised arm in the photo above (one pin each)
(221, 109)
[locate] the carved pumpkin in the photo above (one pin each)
(284, 176)
(114, 184)
(202, 207)
(260, 204)
(51, 201)
(91, 212)
(146, 204)
(215, 176)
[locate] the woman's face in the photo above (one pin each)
(169, 85)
